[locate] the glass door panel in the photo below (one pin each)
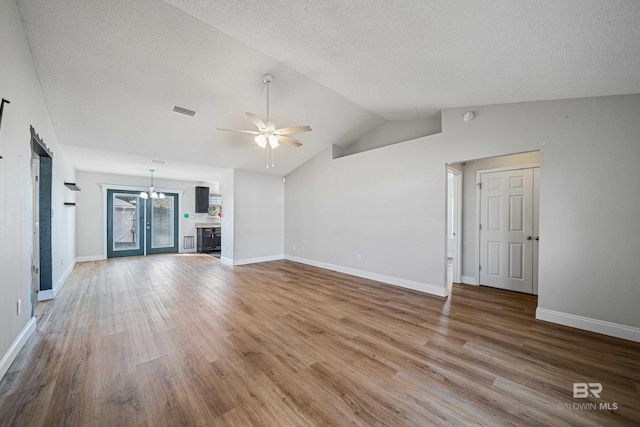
(125, 214)
(162, 224)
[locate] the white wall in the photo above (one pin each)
(389, 204)
(20, 85)
(373, 214)
(91, 210)
(469, 215)
(258, 217)
(392, 132)
(588, 200)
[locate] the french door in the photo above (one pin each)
(137, 226)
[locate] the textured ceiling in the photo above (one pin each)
(405, 59)
(111, 70)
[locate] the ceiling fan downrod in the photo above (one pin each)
(267, 79)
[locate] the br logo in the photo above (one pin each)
(582, 390)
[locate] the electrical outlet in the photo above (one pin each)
(19, 306)
(294, 247)
(62, 262)
(303, 249)
(359, 257)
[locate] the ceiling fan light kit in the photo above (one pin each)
(268, 136)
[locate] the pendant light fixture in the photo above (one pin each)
(151, 192)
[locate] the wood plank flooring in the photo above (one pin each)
(174, 340)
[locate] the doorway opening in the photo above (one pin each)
(42, 175)
(500, 204)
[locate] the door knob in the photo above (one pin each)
(528, 237)
(537, 238)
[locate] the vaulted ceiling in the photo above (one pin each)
(112, 69)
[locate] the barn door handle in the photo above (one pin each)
(537, 238)
(528, 237)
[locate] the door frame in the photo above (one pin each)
(45, 214)
(478, 213)
(457, 263)
(138, 189)
(35, 228)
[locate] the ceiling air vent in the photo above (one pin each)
(182, 110)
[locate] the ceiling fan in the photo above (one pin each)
(267, 135)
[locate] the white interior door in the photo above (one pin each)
(506, 230)
(454, 221)
(536, 232)
(451, 215)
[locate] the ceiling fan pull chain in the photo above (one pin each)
(267, 150)
(273, 158)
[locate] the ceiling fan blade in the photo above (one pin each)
(289, 141)
(291, 130)
(252, 132)
(257, 120)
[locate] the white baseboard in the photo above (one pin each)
(46, 295)
(89, 258)
(588, 324)
(468, 280)
(51, 293)
(397, 281)
(245, 261)
(17, 345)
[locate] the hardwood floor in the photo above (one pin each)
(184, 340)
